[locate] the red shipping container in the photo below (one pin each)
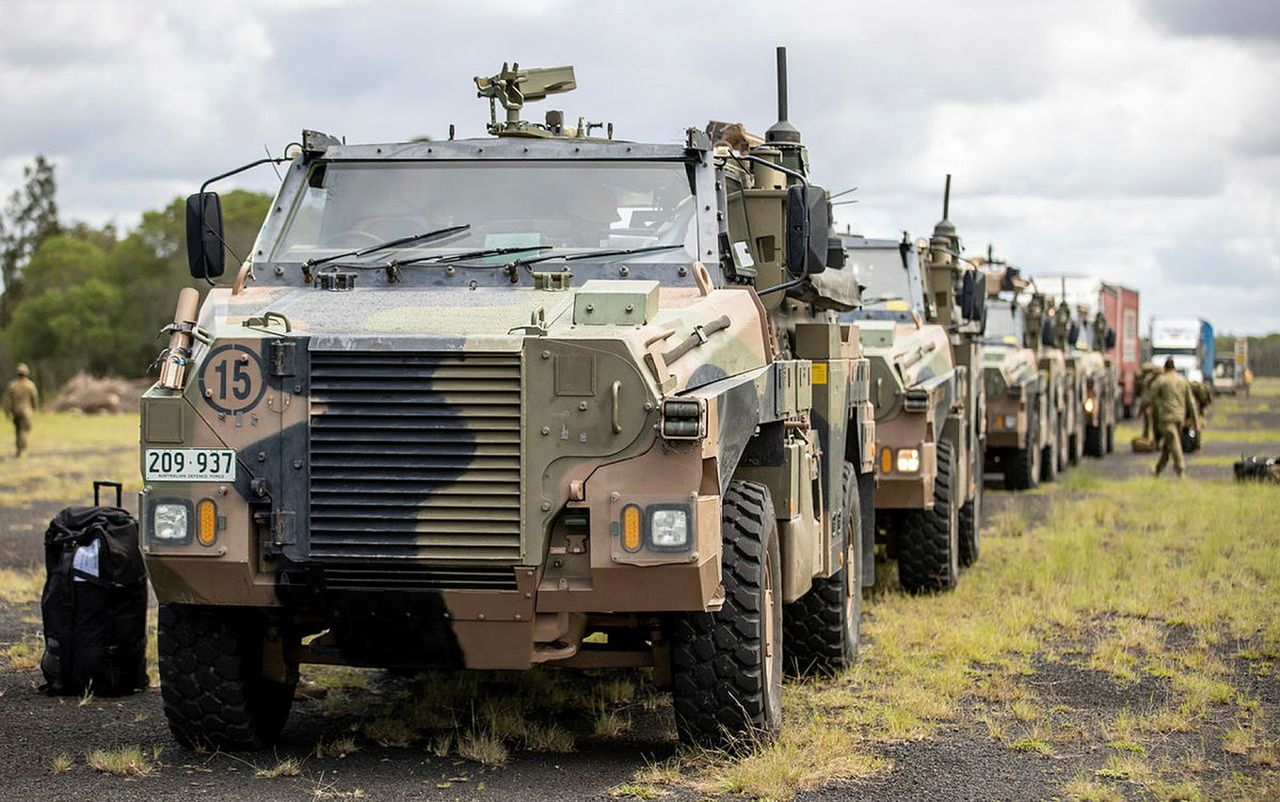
(1120, 305)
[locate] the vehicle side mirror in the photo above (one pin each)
(205, 256)
(973, 297)
(980, 302)
(1111, 339)
(808, 230)
(835, 254)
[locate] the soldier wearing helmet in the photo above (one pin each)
(20, 401)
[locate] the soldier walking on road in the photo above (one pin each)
(1172, 406)
(20, 401)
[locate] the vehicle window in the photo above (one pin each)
(1005, 323)
(883, 277)
(571, 205)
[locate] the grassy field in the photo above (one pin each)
(1162, 593)
(67, 452)
(1168, 587)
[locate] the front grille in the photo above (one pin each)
(414, 577)
(415, 456)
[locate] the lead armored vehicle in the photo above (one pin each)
(471, 402)
(928, 407)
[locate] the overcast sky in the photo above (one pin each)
(1135, 140)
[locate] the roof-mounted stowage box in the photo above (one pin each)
(605, 302)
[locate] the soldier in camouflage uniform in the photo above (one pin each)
(1142, 386)
(1203, 396)
(1173, 406)
(20, 401)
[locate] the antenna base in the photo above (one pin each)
(782, 132)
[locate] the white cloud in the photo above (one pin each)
(1138, 140)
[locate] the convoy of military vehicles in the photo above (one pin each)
(554, 398)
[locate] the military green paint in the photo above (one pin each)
(615, 303)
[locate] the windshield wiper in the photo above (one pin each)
(462, 257)
(439, 233)
(393, 266)
(570, 257)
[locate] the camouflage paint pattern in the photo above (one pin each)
(457, 455)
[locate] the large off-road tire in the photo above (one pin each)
(726, 666)
(820, 629)
(929, 540)
(1093, 441)
(1076, 440)
(1049, 459)
(211, 682)
(1022, 465)
(970, 519)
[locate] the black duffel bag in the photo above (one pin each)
(1190, 439)
(94, 602)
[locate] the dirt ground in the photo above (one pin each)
(959, 761)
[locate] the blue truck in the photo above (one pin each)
(1186, 340)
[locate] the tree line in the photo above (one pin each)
(77, 297)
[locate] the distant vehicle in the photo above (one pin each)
(1186, 340)
(1121, 309)
(1231, 373)
(1120, 306)
(1018, 413)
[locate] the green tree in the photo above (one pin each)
(96, 302)
(29, 218)
(63, 261)
(150, 266)
(70, 329)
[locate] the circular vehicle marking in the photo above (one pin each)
(233, 379)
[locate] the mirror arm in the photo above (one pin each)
(205, 186)
(242, 168)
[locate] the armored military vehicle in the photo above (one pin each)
(1047, 330)
(1019, 431)
(929, 433)
(1099, 385)
(1061, 406)
(470, 402)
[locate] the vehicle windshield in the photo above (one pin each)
(883, 277)
(1006, 323)
(346, 206)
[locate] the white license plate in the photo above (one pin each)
(190, 465)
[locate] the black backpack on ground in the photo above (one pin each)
(94, 602)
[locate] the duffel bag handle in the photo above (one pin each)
(97, 492)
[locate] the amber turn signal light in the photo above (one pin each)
(631, 528)
(206, 522)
